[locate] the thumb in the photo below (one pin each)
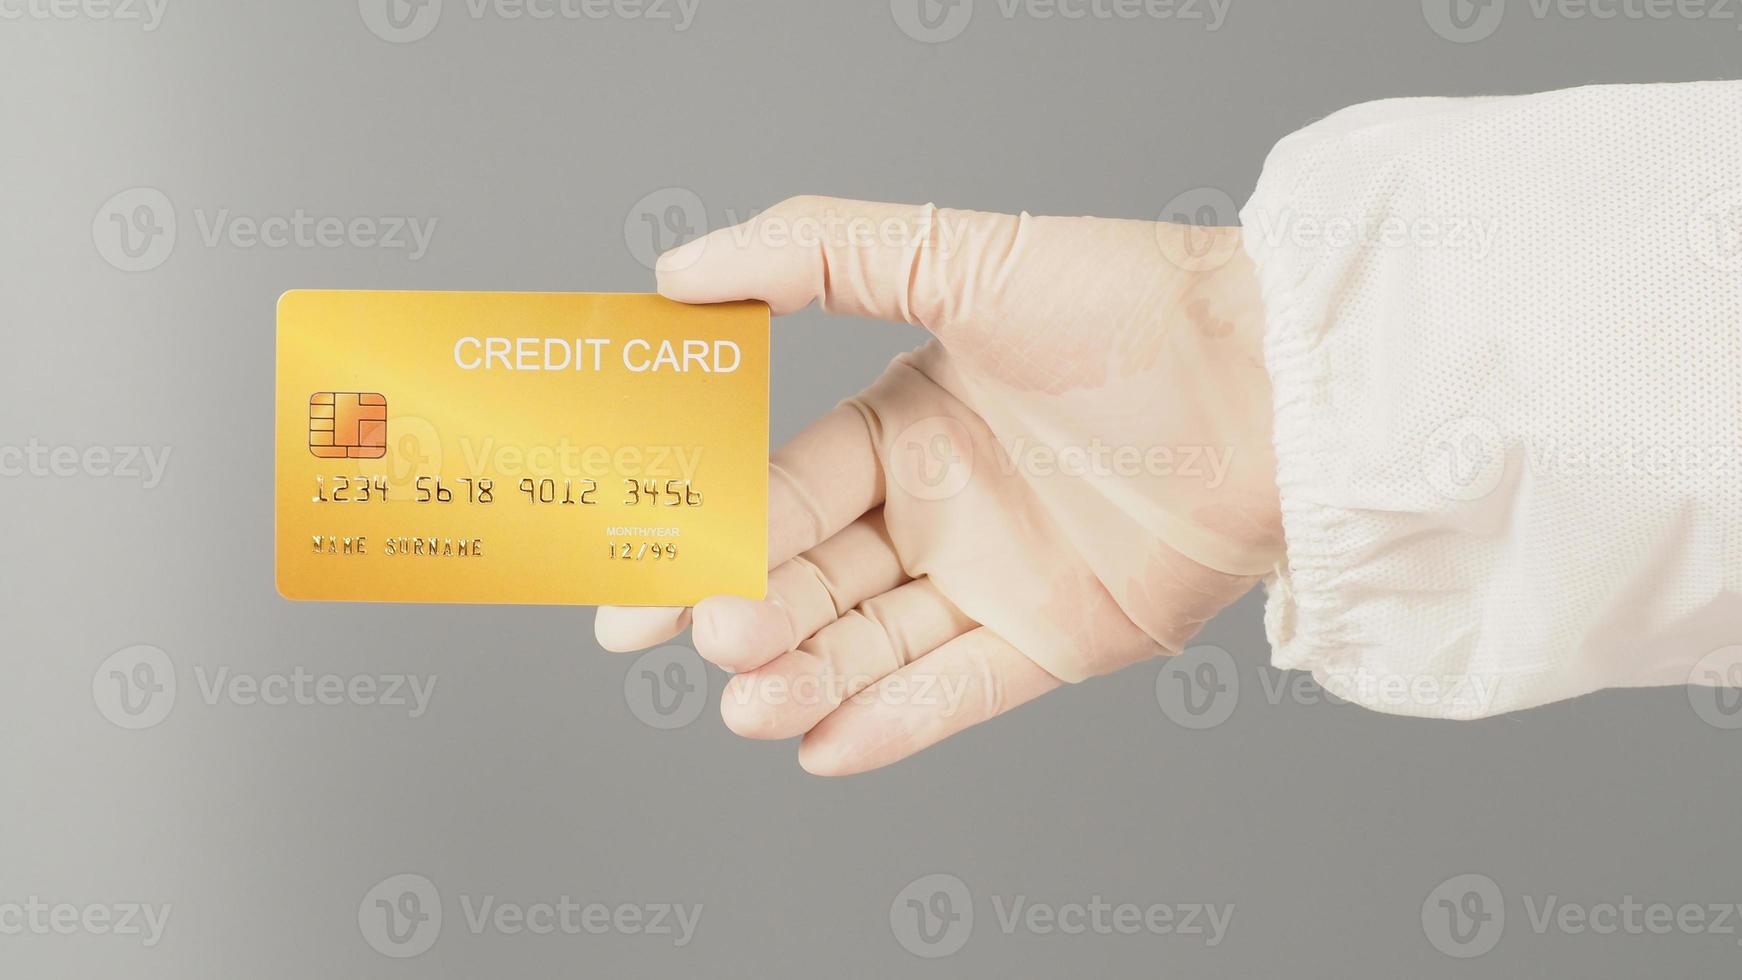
(907, 263)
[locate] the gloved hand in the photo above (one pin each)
(1074, 475)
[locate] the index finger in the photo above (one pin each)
(900, 262)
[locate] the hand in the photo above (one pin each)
(1073, 476)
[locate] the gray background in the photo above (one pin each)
(534, 144)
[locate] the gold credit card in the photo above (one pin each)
(520, 448)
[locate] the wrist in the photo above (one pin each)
(1218, 331)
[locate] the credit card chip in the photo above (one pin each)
(347, 425)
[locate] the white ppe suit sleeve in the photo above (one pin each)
(1505, 336)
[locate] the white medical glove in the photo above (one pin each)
(1074, 476)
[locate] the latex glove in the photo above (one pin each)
(1074, 476)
